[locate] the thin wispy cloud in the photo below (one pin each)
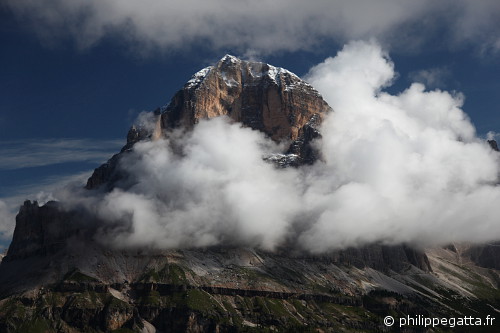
(264, 26)
(33, 153)
(435, 77)
(6, 221)
(17, 154)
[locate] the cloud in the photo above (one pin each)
(17, 154)
(404, 168)
(264, 26)
(491, 135)
(217, 191)
(7, 221)
(33, 153)
(435, 77)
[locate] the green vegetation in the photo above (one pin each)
(202, 301)
(351, 312)
(318, 288)
(54, 299)
(236, 318)
(171, 273)
(236, 313)
(115, 303)
(176, 274)
(13, 308)
(483, 289)
(150, 276)
(36, 325)
(271, 306)
(151, 298)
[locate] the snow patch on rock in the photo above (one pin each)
(230, 82)
(198, 77)
(283, 160)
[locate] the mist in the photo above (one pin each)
(405, 168)
(218, 191)
(6, 218)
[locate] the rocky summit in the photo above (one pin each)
(56, 278)
(260, 96)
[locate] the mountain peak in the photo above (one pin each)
(229, 58)
(261, 96)
(198, 77)
(251, 71)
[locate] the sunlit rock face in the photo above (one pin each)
(263, 97)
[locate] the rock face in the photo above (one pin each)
(260, 96)
(39, 231)
(486, 255)
(493, 144)
(263, 97)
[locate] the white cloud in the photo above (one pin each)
(491, 135)
(264, 26)
(404, 168)
(407, 168)
(17, 154)
(219, 191)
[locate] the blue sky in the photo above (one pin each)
(74, 75)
